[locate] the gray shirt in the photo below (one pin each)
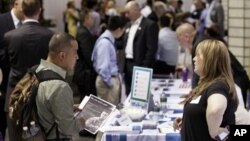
(55, 104)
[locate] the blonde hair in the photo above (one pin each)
(217, 66)
(186, 28)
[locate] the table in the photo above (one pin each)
(154, 136)
(173, 89)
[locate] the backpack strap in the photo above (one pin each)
(45, 75)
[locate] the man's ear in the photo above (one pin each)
(61, 55)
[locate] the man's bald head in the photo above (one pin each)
(132, 5)
(185, 28)
(132, 10)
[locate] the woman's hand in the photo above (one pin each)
(177, 123)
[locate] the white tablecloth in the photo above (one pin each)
(173, 89)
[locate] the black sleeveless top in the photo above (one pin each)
(194, 124)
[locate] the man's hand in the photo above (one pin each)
(75, 108)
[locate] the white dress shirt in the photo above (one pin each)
(132, 31)
(15, 19)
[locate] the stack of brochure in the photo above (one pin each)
(125, 129)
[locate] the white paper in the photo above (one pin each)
(95, 111)
(83, 102)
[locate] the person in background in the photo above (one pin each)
(8, 21)
(167, 53)
(108, 85)
(215, 16)
(140, 41)
(159, 9)
(211, 105)
(85, 75)
(147, 8)
(25, 47)
(111, 9)
(54, 100)
(91, 5)
(72, 17)
(179, 6)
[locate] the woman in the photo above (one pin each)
(71, 15)
(211, 105)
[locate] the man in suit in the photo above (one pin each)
(25, 47)
(141, 40)
(85, 75)
(8, 21)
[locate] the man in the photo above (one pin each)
(189, 38)
(108, 85)
(25, 47)
(85, 75)
(167, 53)
(55, 98)
(95, 30)
(141, 39)
(8, 21)
(215, 16)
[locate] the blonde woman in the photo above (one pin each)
(211, 105)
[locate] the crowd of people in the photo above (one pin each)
(102, 44)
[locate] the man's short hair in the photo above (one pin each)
(31, 7)
(59, 42)
(115, 22)
(166, 20)
(91, 3)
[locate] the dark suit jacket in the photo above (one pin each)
(145, 43)
(26, 46)
(85, 74)
(86, 42)
(6, 24)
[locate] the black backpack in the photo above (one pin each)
(22, 105)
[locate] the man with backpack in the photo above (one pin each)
(55, 97)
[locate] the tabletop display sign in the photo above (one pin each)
(95, 111)
(140, 88)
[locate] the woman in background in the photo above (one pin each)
(72, 18)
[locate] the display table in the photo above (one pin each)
(150, 135)
(173, 89)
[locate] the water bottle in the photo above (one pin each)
(25, 133)
(33, 128)
(184, 74)
(163, 101)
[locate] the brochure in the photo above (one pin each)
(95, 111)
